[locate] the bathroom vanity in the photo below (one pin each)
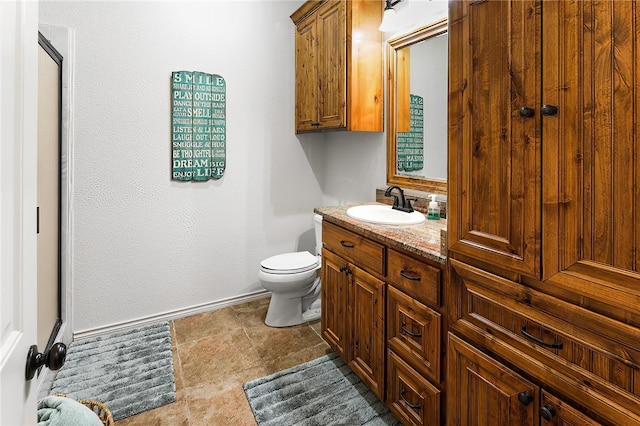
(382, 309)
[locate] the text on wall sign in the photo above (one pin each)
(410, 145)
(199, 125)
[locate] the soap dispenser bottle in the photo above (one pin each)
(433, 212)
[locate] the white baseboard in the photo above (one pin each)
(166, 316)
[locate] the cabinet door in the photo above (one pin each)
(334, 318)
(332, 56)
(306, 75)
(410, 396)
(554, 412)
(494, 151)
(366, 308)
(413, 332)
(591, 185)
(483, 392)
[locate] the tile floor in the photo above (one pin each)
(214, 353)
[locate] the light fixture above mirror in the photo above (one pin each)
(389, 18)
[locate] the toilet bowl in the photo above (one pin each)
(294, 282)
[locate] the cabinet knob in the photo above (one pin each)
(549, 110)
(527, 112)
(525, 397)
(547, 412)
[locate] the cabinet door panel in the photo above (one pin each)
(366, 305)
(306, 75)
(484, 392)
(411, 397)
(494, 151)
(591, 185)
(332, 56)
(413, 332)
(333, 321)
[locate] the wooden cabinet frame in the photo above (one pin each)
(339, 76)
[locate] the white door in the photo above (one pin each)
(18, 162)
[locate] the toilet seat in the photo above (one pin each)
(290, 263)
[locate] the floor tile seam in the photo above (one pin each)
(314, 330)
(209, 334)
(179, 361)
(260, 357)
(186, 406)
(226, 375)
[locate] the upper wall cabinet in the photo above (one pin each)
(339, 83)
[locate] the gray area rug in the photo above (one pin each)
(321, 392)
(129, 371)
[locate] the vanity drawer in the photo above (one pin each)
(363, 252)
(577, 347)
(554, 412)
(410, 396)
(416, 278)
(413, 331)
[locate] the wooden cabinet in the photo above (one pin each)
(366, 304)
(483, 392)
(494, 151)
(353, 302)
(339, 78)
(411, 397)
(414, 334)
(335, 288)
(544, 194)
(380, 313)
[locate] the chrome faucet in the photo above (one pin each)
(399, 201)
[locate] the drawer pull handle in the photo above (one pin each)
(403, 272)
(405, 331)
(415, 407)
(347, 244)
(523, 330)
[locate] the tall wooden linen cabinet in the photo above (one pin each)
(544, 213)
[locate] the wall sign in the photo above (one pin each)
(199, 125)
(410, 145)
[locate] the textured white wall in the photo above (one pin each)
(143, 244)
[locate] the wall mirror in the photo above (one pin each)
(417, 94)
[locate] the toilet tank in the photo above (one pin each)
(317, 223)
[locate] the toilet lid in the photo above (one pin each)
(290, 263)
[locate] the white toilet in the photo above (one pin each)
(294, 282)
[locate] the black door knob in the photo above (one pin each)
(527, 112)
(54, 359)
(549, 110)
(525, 397)
(547, 412)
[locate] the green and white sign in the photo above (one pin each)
(199, 125)
(410, 145)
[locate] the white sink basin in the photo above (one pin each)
(384, 215)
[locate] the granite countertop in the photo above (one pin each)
(422, 239)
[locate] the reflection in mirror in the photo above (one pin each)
(417, 109)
